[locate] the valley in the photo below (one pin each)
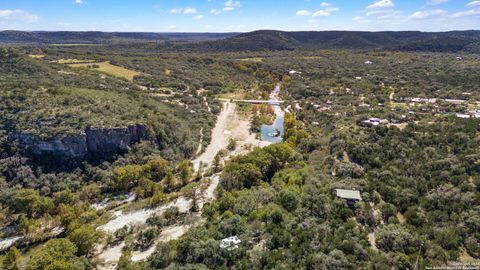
(261, 150)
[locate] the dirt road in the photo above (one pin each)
(229, 126)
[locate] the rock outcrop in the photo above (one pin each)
(92, 142)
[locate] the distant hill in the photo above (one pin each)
(454, 41)
(254, 41)
(65, 37)
(264, 40)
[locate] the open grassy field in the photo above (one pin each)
(233, 95)
(401, 105)
(36, 56)
(253, 59)
(110, 69)
(73, 61)
(311, 57)
(474, 106)
(73, 45)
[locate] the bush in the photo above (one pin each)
(146, 238)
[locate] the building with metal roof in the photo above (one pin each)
(349, 194)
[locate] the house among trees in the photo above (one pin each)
(351, 196)
(374, 122)
(230, 243)
(293, 72)
(471, 114)
(462, 115)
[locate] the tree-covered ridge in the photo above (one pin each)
(270, 40)
(95, 37)
(58, 203)
(417, 171)
(48, 101)
(264, 40)
(421, 203)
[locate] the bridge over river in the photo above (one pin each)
(253, 101)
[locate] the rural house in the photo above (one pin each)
(351, 196)
(230, 243)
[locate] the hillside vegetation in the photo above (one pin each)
(391, 118)
(404, 41)
(92, 37)
(264, 40)
(49, 101)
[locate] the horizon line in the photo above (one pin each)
(233, 32)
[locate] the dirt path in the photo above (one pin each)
(229, 126)
(219, 138)
(206, 104)
(372, 235)
(200, 145)
(371, 240)
(177, 231)
(168, 234)
(392, 94)
(110, 255)
(121, 219)
(209, 193)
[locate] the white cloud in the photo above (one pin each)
(473, 4)
(326, 12)
(231, 5)
(467, 13)
(63, 24)
(381, 4)
(419, 15)
(332, 9)
(198, 17)
(360, 20)
(379, 12)
(187, 10)
(79, 2)
(392, 16)
(427, 14)
(176, 10)
(436, 2)
(303, 13)
(321, 13)
(18, 15)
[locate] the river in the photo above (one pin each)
(229, 125)
(266, 130)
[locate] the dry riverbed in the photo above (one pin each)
(230, 125)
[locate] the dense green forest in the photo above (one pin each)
(265, 40)
(84, 145)
(279, 201)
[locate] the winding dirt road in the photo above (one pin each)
(229, 125)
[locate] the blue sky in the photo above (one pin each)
(239, 15)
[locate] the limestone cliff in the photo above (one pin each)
(92, 142)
